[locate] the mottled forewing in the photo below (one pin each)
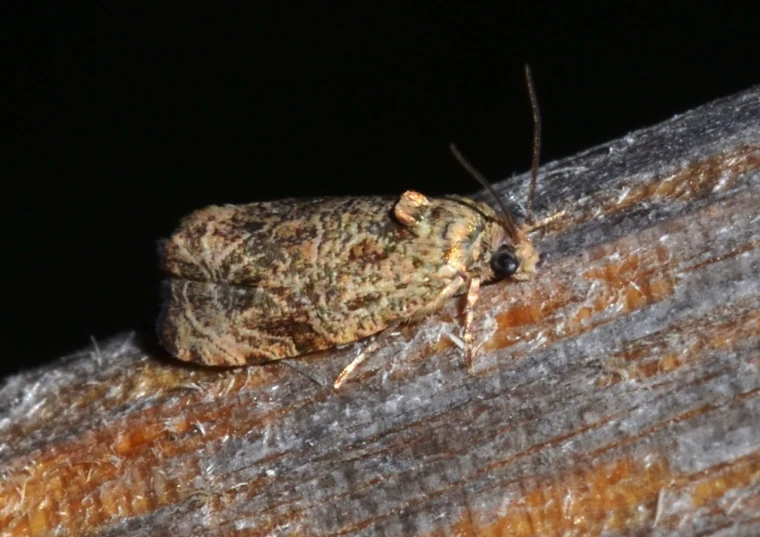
(265, 281)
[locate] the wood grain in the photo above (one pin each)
(617, 394)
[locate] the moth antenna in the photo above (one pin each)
(508, 223)
(536, 142)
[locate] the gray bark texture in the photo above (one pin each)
(618, 393)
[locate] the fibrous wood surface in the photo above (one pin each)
(618, 393)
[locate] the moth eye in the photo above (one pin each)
(504, 263)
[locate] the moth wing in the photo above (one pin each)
(215, 323)
(253, 244)
(228, 325)
(265, 281)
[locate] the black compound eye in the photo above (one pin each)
(504, 263)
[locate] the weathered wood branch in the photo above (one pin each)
(617, 393)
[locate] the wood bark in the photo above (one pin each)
(618, 393)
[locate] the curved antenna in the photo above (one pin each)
(536, 142)
(507, 221)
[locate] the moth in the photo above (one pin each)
(254, 283)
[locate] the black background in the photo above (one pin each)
(120, 120)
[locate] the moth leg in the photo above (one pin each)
(373, 345)
(450, 290)
(473, 294)
(356, 362)
(532, 226)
